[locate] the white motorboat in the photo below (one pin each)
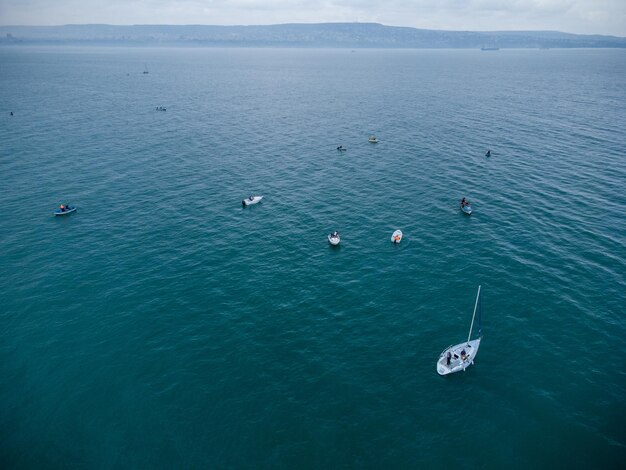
(373, 139)
(466, 206)
(64, 210)
(251, 200)
(396, 237)
(333, 238)
(461, 356)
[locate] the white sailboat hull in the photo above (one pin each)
(458, 362)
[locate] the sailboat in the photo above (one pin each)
(462, 355)
(145, 70)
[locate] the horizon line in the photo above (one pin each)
(313, 24)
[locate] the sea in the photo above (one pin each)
(163, 325)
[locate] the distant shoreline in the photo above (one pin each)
(52, 44)
(322, 35)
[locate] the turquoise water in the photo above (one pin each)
(163, 326)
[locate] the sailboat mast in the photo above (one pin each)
(474, 315)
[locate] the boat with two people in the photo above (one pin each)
(251, 200)
(396, 237)
(466, 207)
(461, 356)
(64, 209)
(333, 238)
(372, 139)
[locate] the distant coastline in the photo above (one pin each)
(339, 35)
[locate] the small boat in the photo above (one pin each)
(461, 356)
(64, 210)
(396, 237)
(251, 200)
(373, 139)
(489, 48)
(488, 154)
(466, 207)
(145, 70)
(161, 108)
(341, 148)
(333, 238)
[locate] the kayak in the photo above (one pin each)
(396, 237)
(333, 238)
(251, 200)
(69, 210)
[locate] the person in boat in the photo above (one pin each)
(448, 358)
(488, 154)
(463, 354)
(340, 147)
(251, 198)
(62, 208)
(11, 113)
(463, 202)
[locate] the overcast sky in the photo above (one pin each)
(574, 16)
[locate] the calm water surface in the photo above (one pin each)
(163, 326)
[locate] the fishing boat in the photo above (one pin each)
(64, 210)
(461, 356)
(396, 237)
(373, 139)
(251, 200)
(333, 238)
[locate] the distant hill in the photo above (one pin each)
(351, 35)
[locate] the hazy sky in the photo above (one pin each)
(575, 16)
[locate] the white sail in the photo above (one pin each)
(474, 314)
